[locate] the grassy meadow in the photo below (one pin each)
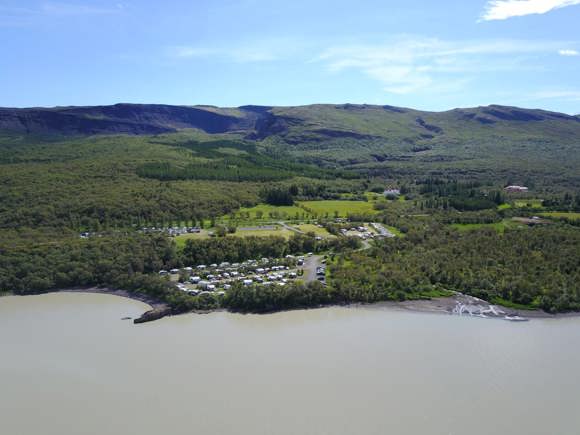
(529, 203)
(337, 208)
(500, 227)
(311, 228)
(573, 216)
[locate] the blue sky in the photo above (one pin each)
(432, 55)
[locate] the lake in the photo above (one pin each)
(70, 365)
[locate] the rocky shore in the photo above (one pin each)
(458, 304)
(464, 305)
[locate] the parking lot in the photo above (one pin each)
(266, 271)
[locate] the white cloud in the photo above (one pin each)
(184, 52)
(568, 52)
(406, 65)
(504, 9)
(239, 54)
(565, 95)
(246, 52)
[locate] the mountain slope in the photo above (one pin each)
(259, 122)
(121, 119)
(345, 135)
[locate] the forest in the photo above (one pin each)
(531, 267)
(132, 262)
(524, 267)
(455, 227)
(229, 160)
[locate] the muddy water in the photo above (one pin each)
(70, 365)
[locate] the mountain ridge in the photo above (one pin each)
(257, 122)
(330, 135)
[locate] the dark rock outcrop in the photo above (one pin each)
(154, 314)
(508, 114)
(429, 127)
(395, 109)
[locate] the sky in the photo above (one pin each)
(426, 54)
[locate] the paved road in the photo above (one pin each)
(258, 228)
(288, 227)
(365, 245)
(310, 266)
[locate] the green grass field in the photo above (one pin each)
(395, 231)
(340, 208)
(279, 231)
(267, 212)
(529, 203)
(307, 228)
(301, 211)
(500, 227)
(573, 216)
(180, 240)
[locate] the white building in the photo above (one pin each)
(392, 192)
(514, 188)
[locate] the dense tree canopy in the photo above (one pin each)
(535, 267)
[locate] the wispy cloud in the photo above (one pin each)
(568, 52)
(271, 50)
(240, 54)
(57, 8)
(185, 52)
(562, 95)
(504, 9)
(411, 64)
(62, 9)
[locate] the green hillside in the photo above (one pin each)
(92, 195)
(109, 179)
(514, 142)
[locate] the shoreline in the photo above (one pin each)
(447, 305)
(156, 310)
(444, 305)
(107, 291)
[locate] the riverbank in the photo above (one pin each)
(121, 293)
(458, 304)
(465, 305)
(157, 309)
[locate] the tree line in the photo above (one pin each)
(532, 267)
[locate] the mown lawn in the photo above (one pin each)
(529, 203)
(271, 212)
(340, 208)
(303, 210)
(180, 240)
(307, 228)
(500, 227)
(279, 231)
